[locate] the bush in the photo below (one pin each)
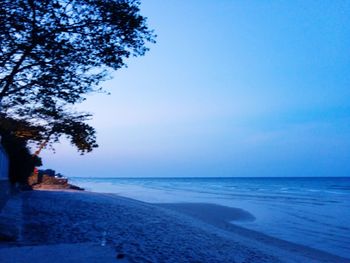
(21, 161)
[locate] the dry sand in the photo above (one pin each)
(74, 226)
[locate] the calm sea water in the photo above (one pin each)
(309, 211)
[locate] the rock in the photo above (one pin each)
(74, 187)
(48, 180)
(33, 179)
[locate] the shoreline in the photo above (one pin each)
(308, 212)
(227, 223)
(134, 228)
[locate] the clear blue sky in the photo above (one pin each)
(232, 88)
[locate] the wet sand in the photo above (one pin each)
(75, 226)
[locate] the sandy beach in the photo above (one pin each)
(76, 226)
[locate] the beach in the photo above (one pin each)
(224, 137)
(81, 226)
(314, 212)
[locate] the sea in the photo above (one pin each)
(310, 211)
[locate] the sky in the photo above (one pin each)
(231, 88)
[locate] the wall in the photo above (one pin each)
(4, 183)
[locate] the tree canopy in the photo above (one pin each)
(53, 52)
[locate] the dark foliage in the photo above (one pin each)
(70, 124)
(14, 137)
(20, 128)
(53, 52)
(22, 162)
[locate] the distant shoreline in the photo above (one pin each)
(208, 177)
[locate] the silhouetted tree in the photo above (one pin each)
(70, 124)
(53, 52)
(20, 129)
